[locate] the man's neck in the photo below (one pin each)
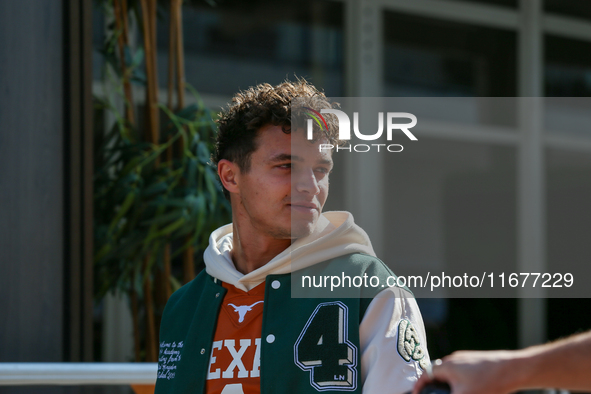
(251, 250)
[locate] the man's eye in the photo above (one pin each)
(287, 165)
(323, 170)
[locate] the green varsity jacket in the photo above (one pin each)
(307, 344)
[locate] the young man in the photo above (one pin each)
(236, 328)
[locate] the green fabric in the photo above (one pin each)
(190, 315)
(189, 318)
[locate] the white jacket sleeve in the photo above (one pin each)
(393, 343)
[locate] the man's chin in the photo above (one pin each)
(302, 228)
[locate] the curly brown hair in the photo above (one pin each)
(262, 105)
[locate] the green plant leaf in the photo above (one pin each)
(123, 209)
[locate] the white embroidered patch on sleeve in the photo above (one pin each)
(409, 344)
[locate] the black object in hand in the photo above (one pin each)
(436, 388)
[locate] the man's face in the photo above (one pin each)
(283, 193)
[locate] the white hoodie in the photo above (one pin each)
(383, 369)
(335, 235)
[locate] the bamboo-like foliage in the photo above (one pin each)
(156, 197)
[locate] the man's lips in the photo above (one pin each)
(304, 205)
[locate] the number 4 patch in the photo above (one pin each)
(324, 350)
(409, 344)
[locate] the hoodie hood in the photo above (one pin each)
(335, 235)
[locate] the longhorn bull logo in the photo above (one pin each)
(242, 309)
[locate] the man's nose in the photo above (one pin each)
(304, 181)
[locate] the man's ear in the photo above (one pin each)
(229, 175)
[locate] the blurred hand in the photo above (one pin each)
(475, 372)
